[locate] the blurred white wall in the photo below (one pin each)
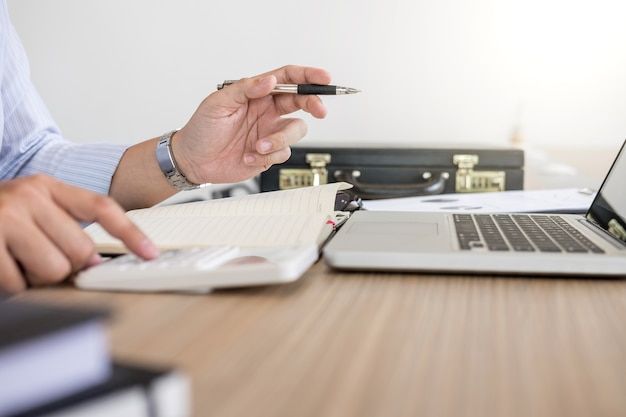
(444, 70)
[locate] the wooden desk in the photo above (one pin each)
(377, 344)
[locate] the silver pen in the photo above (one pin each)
(324, 90)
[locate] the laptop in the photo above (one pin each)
(593, 244)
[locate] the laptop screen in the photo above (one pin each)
(608, 209)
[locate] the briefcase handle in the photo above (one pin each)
(369, 191)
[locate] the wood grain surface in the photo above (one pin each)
(378, 344)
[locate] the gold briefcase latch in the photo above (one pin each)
(470, 181)
(316, 174)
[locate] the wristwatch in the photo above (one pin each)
(167, 163)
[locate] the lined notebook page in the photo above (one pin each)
(288, 217)
(319, 199)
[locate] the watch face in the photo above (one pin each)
(164, 156)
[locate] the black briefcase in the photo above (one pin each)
(386, 172)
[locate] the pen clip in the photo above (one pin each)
(226, 83)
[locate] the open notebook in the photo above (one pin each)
(279, 218)
(592, 245)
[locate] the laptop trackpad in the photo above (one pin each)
(400, 228)
(375, 231)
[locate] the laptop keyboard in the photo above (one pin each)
(520, 233)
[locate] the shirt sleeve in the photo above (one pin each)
(31, 142)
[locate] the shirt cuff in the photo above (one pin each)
(91, 166)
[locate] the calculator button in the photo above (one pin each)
(212, 257)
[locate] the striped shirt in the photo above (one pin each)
(31, 142)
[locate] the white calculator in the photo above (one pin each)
(200, 269)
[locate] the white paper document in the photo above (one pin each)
(568, 200)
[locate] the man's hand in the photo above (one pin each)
(41, 241)
(238, 132)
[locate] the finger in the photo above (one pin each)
(287, 132)
(294, 74)
(11, 278)
(66, 234)
(256, 87)
(50, 265)
(277, 157)
(274, 148)
(240, 92)
(26, 241)
(289, 103)
(90, 207)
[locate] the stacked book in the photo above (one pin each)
(55, 362)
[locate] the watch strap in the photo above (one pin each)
(168, 166)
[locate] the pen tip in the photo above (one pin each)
(348, 90)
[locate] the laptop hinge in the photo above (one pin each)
(604, 234)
